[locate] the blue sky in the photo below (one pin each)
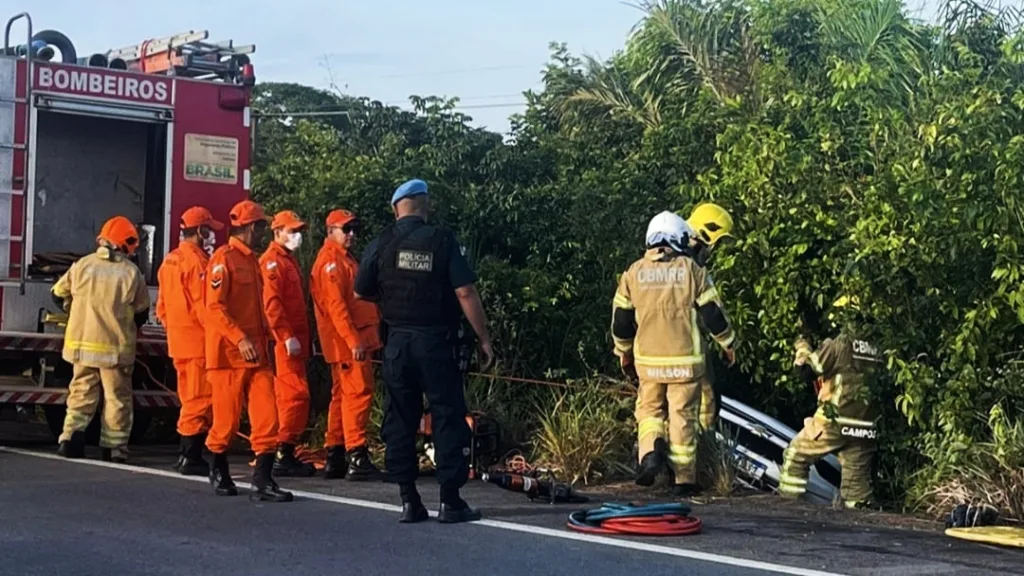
(486, 52)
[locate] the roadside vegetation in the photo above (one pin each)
(859, 150)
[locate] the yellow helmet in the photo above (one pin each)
(843, 306)
(711, 223)
(847, 302)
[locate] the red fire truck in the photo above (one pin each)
(145, 132)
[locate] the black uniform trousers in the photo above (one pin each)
(422, 361)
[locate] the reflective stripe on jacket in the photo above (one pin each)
(663, 291)
(106, 291)
(342, 321)
(179, 302)
(234, 307)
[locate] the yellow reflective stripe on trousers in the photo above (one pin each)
(682, 454)
(789, 484)
(621, 301)
(707, 296)
(651, 425)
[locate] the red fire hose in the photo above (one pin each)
(649, 520)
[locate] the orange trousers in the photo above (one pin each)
(195, 395)
(232, 387)
(351, 398)
(292, 389)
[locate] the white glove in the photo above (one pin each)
(293, 347)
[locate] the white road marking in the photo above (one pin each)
(511, 526)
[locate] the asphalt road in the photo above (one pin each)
(86, 517)
(63, 518)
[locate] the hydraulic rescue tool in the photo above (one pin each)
(535, 488)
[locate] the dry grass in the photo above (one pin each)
(716, 465)
(979, 473)
(583, 436)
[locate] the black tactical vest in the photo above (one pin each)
(412, 273)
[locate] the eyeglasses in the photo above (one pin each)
(349, 229)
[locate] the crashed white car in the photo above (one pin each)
(758, 443)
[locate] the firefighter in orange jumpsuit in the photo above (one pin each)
(179, 306)
(284, 301)
(237, 355)
(349, 332)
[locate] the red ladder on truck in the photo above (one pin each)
(15, 115)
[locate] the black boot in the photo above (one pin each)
(686, 490)
(115, 455)
(337, 464)
(220, 477)
(286, 464)
(653, 464)
(74, 447)
(360, 467)
(264, 488)
(190, 462)
(413, 509)
(454, 509)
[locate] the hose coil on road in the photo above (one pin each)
(648, 520)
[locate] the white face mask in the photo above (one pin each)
(294, 241)
(209, 242)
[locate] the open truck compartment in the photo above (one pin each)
(87, 170)
(144, 131)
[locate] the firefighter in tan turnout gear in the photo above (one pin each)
(107, 302)
(845, 421)
(658, 307)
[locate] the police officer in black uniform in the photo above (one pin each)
(421, 281)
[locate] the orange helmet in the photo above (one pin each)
(121, 233)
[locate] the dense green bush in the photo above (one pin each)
(860, 152)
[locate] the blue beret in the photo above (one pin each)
(408, 190)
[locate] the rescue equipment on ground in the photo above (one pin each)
(969, 515)
(976, 523)
(534, 488)
(999, 535)
(483, 449)
(663, 519)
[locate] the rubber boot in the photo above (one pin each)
(286, 464)
(686, 490)
(413, 509)
(264, 488)
(337, 464)
(115, 455)
(360, 467)
(653, 464)
(454, 509)
(220, 477)
(190, 461)
(73, 447)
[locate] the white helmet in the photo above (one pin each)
(669, 227)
